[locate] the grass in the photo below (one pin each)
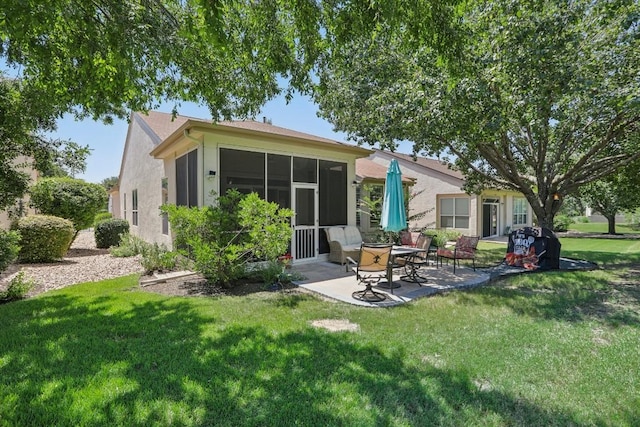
(603, 227)
(556, 348)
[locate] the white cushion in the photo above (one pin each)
(336, 234)
(352, 235)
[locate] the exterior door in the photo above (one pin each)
(490, 224)
(304, 245)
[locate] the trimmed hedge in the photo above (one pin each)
(70, 198)
(109, 232)
(45, 238)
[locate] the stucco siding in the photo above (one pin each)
(427, 187)
(143, 173)
(434, 184)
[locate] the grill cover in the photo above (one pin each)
(533, 248)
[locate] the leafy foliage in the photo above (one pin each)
(69, 198)
(542, 99)
(614, 194)
(109, 183)
(44, 238)
(109, 232)
(9, 248)
(129, 246)
(221, 239)
(562, 222)
(18, 288)
(101, 216)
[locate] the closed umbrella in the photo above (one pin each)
(394, 216)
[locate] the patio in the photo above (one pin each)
(333, 281)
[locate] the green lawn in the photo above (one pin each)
(603, 227)
(555, 348)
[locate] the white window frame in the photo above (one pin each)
(455, 214)
(520, 211)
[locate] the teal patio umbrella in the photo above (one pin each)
(394, 216)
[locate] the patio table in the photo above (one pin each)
(395, 252)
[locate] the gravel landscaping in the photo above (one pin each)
(83, 263)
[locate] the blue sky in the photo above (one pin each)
(107, 141)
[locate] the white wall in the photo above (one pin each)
(142, 172)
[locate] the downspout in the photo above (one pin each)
(201, 144)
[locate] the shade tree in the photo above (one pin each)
(543, 98)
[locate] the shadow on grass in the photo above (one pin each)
(611, 297)
(100, 361)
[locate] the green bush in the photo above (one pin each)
(17, 289)
(101, 216)
(109, 232)
(130, 245)
(9, 248)
(441, 236)
(220, 240)
(561, 223)
(157, 257)
(73, 199)
(44, 238)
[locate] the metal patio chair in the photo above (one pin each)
(372, 267)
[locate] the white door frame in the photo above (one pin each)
(304, 241)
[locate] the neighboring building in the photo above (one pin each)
(188, 161)
(22, 207)
(370, 179)
(440, 195)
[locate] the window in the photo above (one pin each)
(134, 207)
(124, 205)
(454, 212)
(519, 210)
(187, 179)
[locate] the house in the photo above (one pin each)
(188, 161)
(22, 207)
(440, 196)
(370, 179)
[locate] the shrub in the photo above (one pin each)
(442, 236)
(44, 238)
(157, 257)
(101, 216)
(17, 289)
(73, 199)
(222, 239)
(9, 248)
(130, 245)
(108, 233)
(561, 223)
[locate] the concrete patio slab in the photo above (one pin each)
(333, 281)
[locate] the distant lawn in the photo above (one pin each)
(603, 227)
(556, 348)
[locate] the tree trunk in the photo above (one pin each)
(612, 223)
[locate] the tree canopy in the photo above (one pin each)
(101, 59)
(543, 98)
(107, 57)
